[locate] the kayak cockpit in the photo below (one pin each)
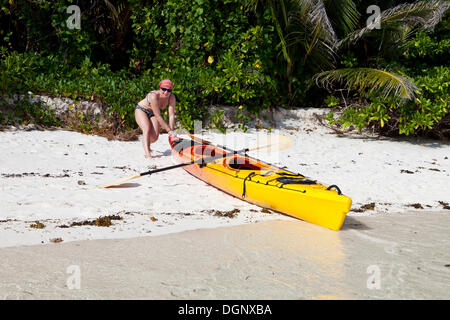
(244, 163)
(206, 151)
(233, 162)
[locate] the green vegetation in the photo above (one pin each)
(250, 54)
(217, 121)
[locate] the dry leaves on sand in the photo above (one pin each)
(37, 225)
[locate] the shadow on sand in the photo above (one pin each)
(352, 223)
(126, 185)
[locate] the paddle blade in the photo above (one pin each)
(120, 181)
(272, 143)
(199, 139)
(268, 143)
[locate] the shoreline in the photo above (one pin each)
(264, 260)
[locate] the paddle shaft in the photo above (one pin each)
(199, 161)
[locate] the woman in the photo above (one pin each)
(148, 114)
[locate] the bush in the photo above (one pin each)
(390, 116)
(215, 51)
(425, 59)
(209, 48)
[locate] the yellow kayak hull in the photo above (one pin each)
(265, 185)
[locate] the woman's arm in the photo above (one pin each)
(172, 103)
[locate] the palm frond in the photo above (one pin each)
(113, 10)
(281, 34)
(369, 80)
(343, 14)
(425, 14)
(319, 18)
(252, 4)
(306, 33)
(310, 34)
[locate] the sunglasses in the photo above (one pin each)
(165, 89)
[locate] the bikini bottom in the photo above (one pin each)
(149, 113)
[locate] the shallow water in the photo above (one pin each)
(401, 256)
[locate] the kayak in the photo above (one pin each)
(263, 184)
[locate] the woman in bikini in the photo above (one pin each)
(148, 115)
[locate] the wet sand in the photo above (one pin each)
(395, 256)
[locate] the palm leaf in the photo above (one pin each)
(343, 14)
(318, 17)
(310, 33)
(305, 31)
(368, 79)
(280, 30)
(422, 13)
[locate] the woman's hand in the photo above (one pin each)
(172, 133)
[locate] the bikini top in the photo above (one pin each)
(146, 97)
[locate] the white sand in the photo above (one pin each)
(393, 174)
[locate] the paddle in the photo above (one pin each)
(199, 161)
(269, 145)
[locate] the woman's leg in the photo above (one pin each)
(147, 129)
(154, 134)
